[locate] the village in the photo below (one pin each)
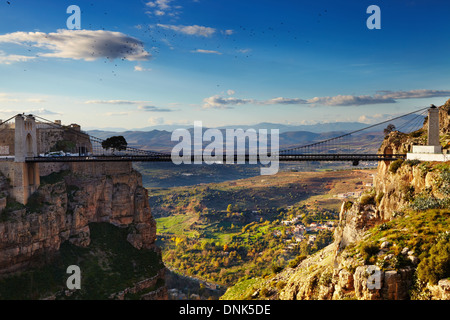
(296, 231)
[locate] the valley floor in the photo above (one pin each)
(252, 227)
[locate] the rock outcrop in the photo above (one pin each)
(63, 207)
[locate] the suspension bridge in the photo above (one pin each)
(354, 146)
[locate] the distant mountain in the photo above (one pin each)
(313, 128)
(160, 140)
(290, 135)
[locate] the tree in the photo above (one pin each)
(390, 127)
(115, 143)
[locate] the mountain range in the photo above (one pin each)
(158, 138)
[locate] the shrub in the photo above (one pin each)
(368, 250)
(367, 199)
(35, 203)
(425, 202)
(424, 167)
(393, 167)
(444, 186)
(295, 262)
(412, 163)
(416, 134)
(408, 192)
(437, 265)
(348, 205)
(276, 268)
(379, 197)
(326, 278)
(383, 226)
(54, 177)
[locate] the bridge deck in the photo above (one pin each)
(224, 159)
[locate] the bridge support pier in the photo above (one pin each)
(25, 178)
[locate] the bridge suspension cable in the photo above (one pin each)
(97, 142)
(308, 147)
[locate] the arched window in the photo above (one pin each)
(29, 144)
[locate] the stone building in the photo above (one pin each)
(27, 137)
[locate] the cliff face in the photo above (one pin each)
(62, 209)
(391, 228)
(94, 215)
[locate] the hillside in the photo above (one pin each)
(400, 228)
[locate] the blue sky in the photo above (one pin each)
(140, 63)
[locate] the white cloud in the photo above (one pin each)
(206, 51)
(153, 121)
(374, 118)
(281, 100)
(349, 100)
(154, 109)
(117, 102)
(39, 111)
(193, 30)
(35, 100)
(7, 97)
(339, 100)
(415, 94)
(244, 50)
(120, 113)
(141, 69)
(163, 8)
(12, 58)
(81, 44)
(219, 102)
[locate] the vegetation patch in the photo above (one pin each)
(54, 177)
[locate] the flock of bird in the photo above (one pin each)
(234, 45)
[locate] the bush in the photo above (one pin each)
(416, 134)
(444, 185)
(295, 262)
(368, 250)
(393, 167)
(367, 199)
(424, 167)
(276, 268)
(348, 205)
(412, 163)
(408, 192)
(64, 145)
(437, 265)
(425, 202)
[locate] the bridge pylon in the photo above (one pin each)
(25, 179)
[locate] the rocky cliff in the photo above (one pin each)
(64, 208)
(388, 244)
